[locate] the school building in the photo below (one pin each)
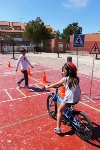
(14, 31)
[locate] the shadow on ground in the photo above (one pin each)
(95, 140)
(35, 89)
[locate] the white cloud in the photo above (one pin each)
(76, 3)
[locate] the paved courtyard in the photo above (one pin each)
(25, 123)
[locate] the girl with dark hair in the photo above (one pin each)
(73, 92)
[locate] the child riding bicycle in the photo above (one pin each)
(73, 92)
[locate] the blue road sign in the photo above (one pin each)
(78, 40)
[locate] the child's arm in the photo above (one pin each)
(55, 84)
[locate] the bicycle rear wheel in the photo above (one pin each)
(82, 125)
(51, 106)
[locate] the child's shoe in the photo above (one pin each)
(18, 84)
(57, 130)
(27, 86)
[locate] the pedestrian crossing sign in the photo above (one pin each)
(78, 40)
(95, 49)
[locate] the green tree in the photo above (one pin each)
(37, 32)
(58, 34)
(70, 30)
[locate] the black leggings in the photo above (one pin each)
(24, 78)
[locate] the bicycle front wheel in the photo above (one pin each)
(51, 106)
(82, 125)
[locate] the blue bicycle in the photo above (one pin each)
(79, 121)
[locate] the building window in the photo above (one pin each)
(17, 27)
(8, 37)
(3, 27)
(17, 36)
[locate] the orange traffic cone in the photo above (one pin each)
(44, 78)
(9, 65)
(62, 91)
(29, 72)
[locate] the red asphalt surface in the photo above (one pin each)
(24, 121)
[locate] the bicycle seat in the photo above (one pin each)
(75, 103)
(72, 104)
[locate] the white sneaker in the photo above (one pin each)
(57, 130)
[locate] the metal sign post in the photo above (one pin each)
(91, 80)
(13, 47)
(90, 98)
(77, 57)
(94, 50)
(78, 41)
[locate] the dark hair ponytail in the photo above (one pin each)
(73, 82)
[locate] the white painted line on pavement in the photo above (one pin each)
(8, 94)
(90, 106)
(21, 92)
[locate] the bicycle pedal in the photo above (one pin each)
(86, 129)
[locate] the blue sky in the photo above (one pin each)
(57, 13)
